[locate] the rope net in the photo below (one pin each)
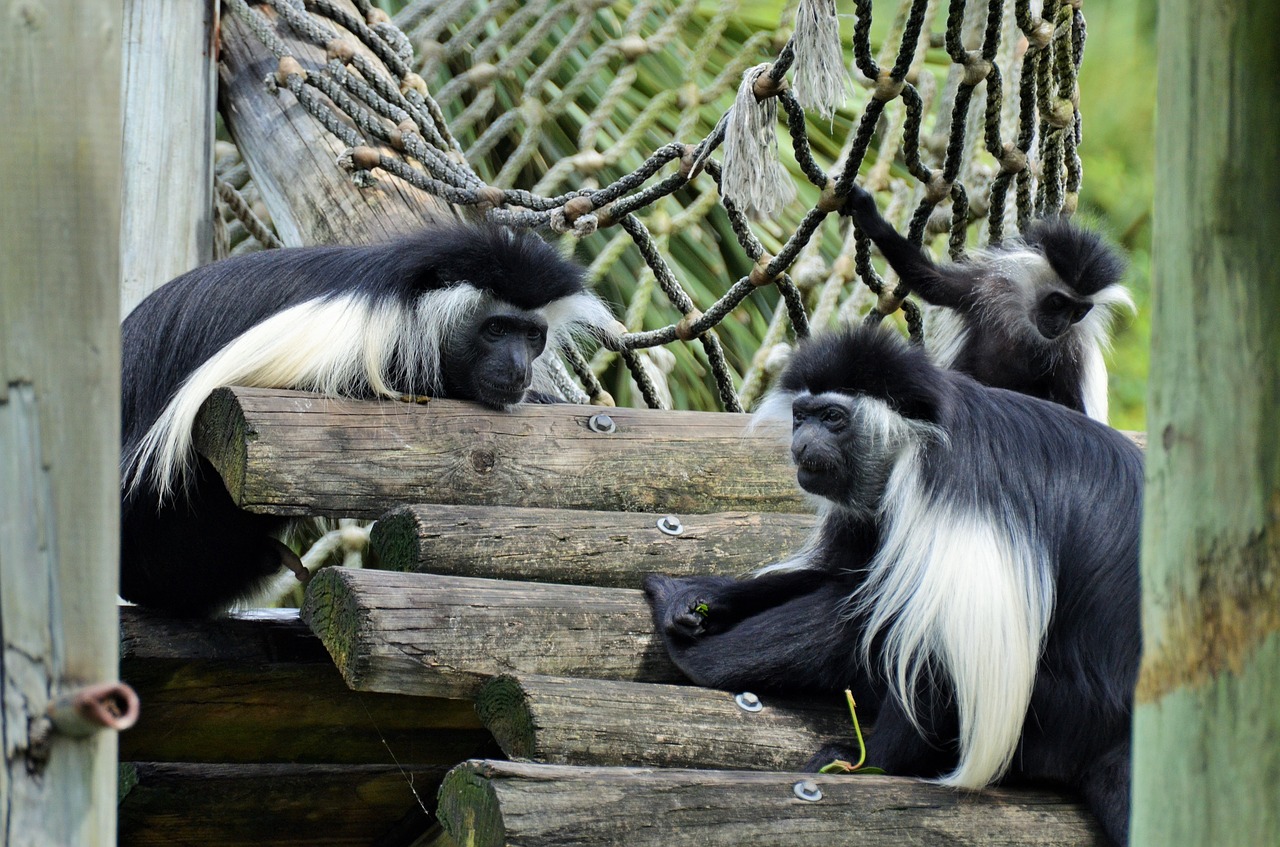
(695, 151)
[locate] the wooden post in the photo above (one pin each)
(170, 101)
(59, 411)
(1207, 722)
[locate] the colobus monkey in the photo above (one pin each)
(974, 577)
(1032, 315)
(461, 311)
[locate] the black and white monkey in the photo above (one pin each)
(974, 577)
(1032, 315)
(460, 311)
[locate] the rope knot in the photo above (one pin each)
(413, 82)
(887, 88)
(976, 68)
(684, 329)
(1012, 160)
(830, 200)
(288, 67)
(632, 47)
(760, 275)
(491, 195)
(937, 189)
(766, 86)
(341, 49)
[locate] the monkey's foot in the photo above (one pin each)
(419, 399)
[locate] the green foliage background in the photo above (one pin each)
(1117, 99)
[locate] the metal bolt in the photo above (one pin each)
(602, 423)
(748, 702)
(807, 790)
(670, 525)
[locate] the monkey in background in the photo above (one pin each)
(1032, 315)
(460, 311)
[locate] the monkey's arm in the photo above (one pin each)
(801, 640)
(940, 286)
(692, 607)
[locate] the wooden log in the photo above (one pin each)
(567, 721)
(260, 687)
(170, 107)
(264, 805)
(289, 452)
(60, 67)
(291, 156)
(579, 547)
(445, 636)
(489, 803)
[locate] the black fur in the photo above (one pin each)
(1055, 476)
(195, 552)
(1036, 354)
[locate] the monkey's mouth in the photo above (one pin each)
(819, 478)
(499, 396)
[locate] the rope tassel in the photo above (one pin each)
(752, 176)
(821, 82)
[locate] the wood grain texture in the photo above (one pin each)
(581, 547)
(1206, 732)
(559, 720)
(294, 453)
(60, 68)
(170, 107)
(446, 636)
(260, 687)
(275, 805)
(291, 156)
(489, 803)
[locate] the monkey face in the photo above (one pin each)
(491, 360)
(844, 447)
(1056, 313)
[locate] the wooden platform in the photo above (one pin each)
(501, 683)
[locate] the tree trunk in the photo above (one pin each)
(1207, 724)
(59, 412)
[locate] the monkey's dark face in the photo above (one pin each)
(1056, 312)
(844, 447)
(491, 359)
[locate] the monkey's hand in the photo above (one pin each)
(861, 205)
(683, 608)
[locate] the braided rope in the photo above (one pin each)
(538, 115)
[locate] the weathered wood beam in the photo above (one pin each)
(260, 687)
(445, 636)
(579, 547)
(489, 803)
(266, 805)
(559, 720)
(290, 452)
(170, 109)
(291, 156)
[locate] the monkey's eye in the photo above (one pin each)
(533, 334)
(494, 329)
(834, 417)
(1080, 311)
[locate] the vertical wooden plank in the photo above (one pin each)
(1207, 723)
(59, 409)
(170, 101)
